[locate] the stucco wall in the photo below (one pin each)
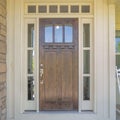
(2, 59)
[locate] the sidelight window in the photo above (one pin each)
(30, 62)
(87, 97)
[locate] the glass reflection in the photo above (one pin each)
(86, 89)
(48, 33)
(68, 33)
(30, 61)
(31, 95)
(58, 33)
(86, 60)
(30, 35)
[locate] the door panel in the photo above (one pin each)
(58, 64)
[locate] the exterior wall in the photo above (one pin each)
(104, 65)
(2, 59)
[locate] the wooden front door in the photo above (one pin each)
(58, 64)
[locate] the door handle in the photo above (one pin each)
(41, 74)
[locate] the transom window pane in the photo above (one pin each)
(85, 8)
(74, 9)
(68, 33)
(58, 33)
(30, 35)
(31, 9)
(42, 9)
(63, 8)
(53, 9)
(48, 33)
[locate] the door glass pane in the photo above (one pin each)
(86, 35)
(30, 61)
(86, 60)
(86, 89)
(31, 95)
(48, 33)
(58, 33)
(30, 35)
(68, 33)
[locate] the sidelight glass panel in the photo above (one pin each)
(86, 89)
(68, 33)
(30, 61)
(118, 61)
(117, 40)
(30, 35)
(31, 95)
(58, 33)
(48, 33)
(86, 35)
(86, 60)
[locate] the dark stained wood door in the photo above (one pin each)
(58, 64)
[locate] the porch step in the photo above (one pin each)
(118, 108)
